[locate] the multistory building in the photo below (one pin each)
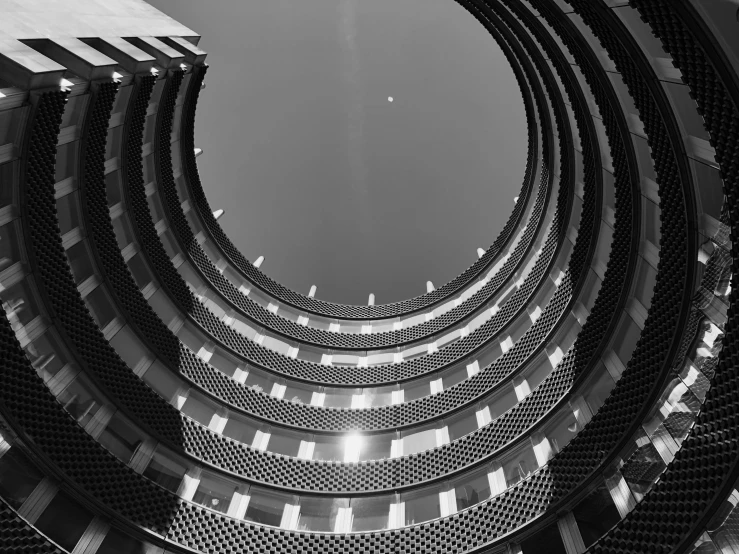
(572, 391)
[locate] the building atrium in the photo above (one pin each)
(573, 390)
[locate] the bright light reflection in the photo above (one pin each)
(352, 447)
(389, 98)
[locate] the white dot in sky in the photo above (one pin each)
(389, 98)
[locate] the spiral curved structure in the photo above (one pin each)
(574, 390)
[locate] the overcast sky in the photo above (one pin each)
(320, 173)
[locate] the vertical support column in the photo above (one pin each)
(38, 500)
(447, 502)
(570, 534)
(542, 448)
(581, 411)
(143, 455)
(496, 479)
(396, 518)
(473, 368)
(190, 483)
(514, 548)
(92, 538)
(290, 516)
(306, 450)
(239, 503)
(620, 493)
(521, 387)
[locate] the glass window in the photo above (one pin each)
(117, 542)
(80, 262)
(562, 431)
(275, 344)
(258, 381)
(534, 378)
(162, 380)
(328, 448)
(319, 514)
(214, 491)
(380, 396)
(488, 355)
(340, 398)
(121, 438)
(502, 402)
(68, 213)
(128, 346)
(9, 251)
(198, 408)
(599, 390)
(300, 393)
(266, 507)
(113, 189)
(381, 358)
(139, 270)
(596, 514)
(221, 361)
(123, 233)
(18, 477)
(240, 429)
(79, 401)
(166, 470)
(310, 354)
(170, 245)
(415, 352)
(19, 305)
(344, 359)
(461, 424)
(352, 326)
(546, 540)
(455, 376)
(643, 466)
(519, 465)
(372, 513)
(64, 521)
(471, 488)
(8, 173)
(100, 307)
(421, 505)
(418, 441)
(284, 442)
(43, 356)
(415, 390)
(377, 447)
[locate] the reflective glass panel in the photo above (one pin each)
(214, 491)
(266, 507)
(370, 514)
(596, 514)
(319, 514)
(418, 441)
(117, 542)
(471, 489)
(284, 442)
(79, 401)
(18, 477)
(166, 470)
(121, 438)
(328, 448)
(421, 505)
(64, 521)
